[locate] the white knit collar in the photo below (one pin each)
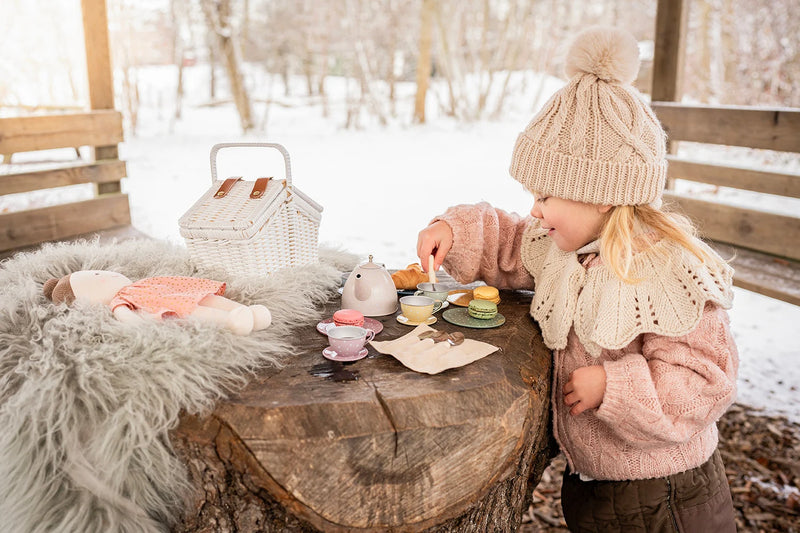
(591, 248)
(608, 313)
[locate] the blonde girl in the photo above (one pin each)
(629, 300)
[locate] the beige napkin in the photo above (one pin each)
(423, 355)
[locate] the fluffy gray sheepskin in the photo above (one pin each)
(86, 402)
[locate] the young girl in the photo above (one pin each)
(631, 303)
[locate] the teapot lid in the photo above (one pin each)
(370, 264)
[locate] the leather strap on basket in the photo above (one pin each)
(259, 187)
(225, 187)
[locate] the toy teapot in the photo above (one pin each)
(370, 290)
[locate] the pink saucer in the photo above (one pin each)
(369, 323)
(329, 353)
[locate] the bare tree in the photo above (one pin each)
(178, 52)
(218, 19)
(424, 61)
(126, 62)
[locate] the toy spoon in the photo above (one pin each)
(431, 271)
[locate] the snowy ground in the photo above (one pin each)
(380, 186)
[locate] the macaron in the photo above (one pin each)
(486, 292)
(348, 317)
(482, 309)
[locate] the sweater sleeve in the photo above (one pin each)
(486, 246)
(676, 387)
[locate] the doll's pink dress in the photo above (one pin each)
(167, 296)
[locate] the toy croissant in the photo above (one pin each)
(409, 277)
(158, 297)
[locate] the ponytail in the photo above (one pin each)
(630, 229)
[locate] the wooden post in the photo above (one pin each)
(101, 82)
(670, 47)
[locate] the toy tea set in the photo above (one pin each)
(371, 292)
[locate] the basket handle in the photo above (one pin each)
(217, 147)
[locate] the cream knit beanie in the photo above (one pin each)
(596, 140)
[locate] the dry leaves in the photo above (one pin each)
(762, 460)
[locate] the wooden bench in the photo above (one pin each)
(99, 128)
(764, 246)
(395, 450)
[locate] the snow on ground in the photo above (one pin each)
(381, 185)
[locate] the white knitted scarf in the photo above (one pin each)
(608, 313)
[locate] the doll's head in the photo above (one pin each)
(596, 141)
(92, 286)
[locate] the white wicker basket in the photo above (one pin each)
(252, 233)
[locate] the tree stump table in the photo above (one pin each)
(393, 450)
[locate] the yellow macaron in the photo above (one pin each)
(486, 292)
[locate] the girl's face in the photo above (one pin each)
(572, 224)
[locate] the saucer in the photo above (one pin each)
(369, 323)
(460, 297)
(330, 353)
(460, 317)
(403, 320)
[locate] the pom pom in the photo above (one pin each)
(610, 54)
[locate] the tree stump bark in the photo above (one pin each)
(393, 450)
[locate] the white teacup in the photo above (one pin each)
(427, 289)
(348, 341)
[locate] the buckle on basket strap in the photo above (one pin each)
(225, 187)
(259, 187)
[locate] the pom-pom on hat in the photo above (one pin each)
(596, 140)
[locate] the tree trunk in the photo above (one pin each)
(217, 16)
(177, 58)
(424, 59)
(394, 450)
(212, 68)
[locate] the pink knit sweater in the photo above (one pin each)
(663, 394)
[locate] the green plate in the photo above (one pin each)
(460, 317)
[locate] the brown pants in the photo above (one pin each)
(698, 500)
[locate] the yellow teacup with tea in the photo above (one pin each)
(418, 308)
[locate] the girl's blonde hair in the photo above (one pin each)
(629, 229)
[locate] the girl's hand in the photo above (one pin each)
(585, 388)
(436, 239)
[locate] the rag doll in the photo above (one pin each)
(158, 297)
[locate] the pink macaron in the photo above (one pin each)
(348, 317)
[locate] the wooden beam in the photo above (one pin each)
(25, 134)
(761, 273)
(33, 226)
(670, 45)
(100, 74)
(106, 236)
(98, 56)
(748, 228)
(100, 172)
(735, 177)
(767, 128)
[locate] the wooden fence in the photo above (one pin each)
(765, 246)
(99, 128)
